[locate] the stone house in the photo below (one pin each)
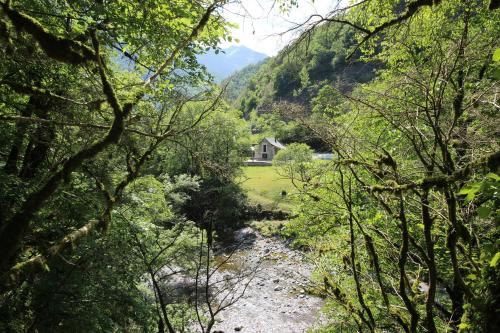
(266, 149)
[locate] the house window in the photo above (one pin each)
(264, 156)
(264, 148)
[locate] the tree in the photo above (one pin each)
(286, 80)
(293, 161)
(78, 126)
(391, 225)
(78, 50)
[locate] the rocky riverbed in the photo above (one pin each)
(275, 300)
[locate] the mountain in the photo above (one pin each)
(239, 80)
(306, 72)
(305, 77)
(229, 60)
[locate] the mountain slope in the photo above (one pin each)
(305, 77)
(229, 60)
(299, 73)
(239, 80)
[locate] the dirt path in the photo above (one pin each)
(276, 299)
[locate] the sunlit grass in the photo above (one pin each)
(265, 186)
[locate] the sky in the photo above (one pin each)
(261, 22)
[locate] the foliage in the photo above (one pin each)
(292, 162)
(120, 164)
(299, 71)
(405, 225)
(240, 80)
(93, 92)
(302, 73)
(286, 79)
(214, 150)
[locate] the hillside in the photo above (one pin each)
(239, 80)
(308, 73)
(298, 73)
(223, 63)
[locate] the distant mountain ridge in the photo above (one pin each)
(229, 60)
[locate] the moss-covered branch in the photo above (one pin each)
(194, 33)
(22, 270)
(21, 119)
(15, 228)
(34, 90)
(56, 47)
(491, 161)
(18, 273)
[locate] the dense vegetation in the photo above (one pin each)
(108, 172)
(404, 220)
(116, 182)
(239, 80)
(301, 73)
(304, 68)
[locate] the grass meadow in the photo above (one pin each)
(264, 186)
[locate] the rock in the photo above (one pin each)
(266, 250)
(278, 288)
(276, 280)
(238, 328)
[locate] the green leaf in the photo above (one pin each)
(483, 212)
(496, 55)
(463, 326)
(470, 191)
(464, 191)
(493, 176)
(494, 261)
(496, 73)
(472, 277)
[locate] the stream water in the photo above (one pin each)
(275, 300)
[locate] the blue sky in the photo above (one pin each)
(261, 22)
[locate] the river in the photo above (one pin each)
(276, 299)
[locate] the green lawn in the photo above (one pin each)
(264, 186)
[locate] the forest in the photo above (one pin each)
(125, 205)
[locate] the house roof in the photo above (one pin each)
(275, 142)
